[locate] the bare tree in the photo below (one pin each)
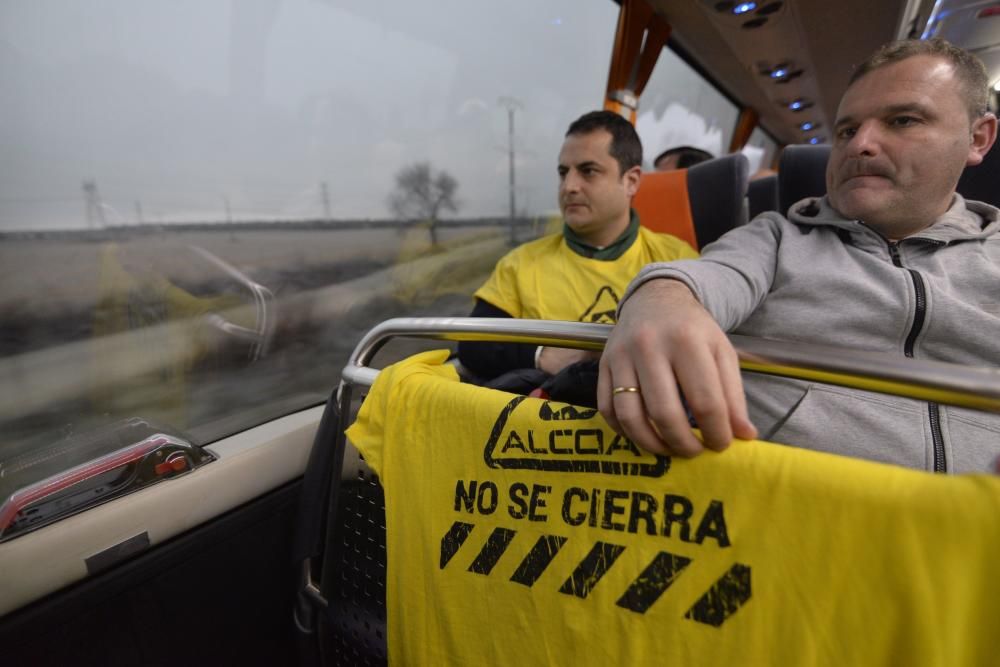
(421, 194)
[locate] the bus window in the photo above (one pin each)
(205, 204)
(680, 108)
(760, 151)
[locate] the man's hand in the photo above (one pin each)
(666, 342)
(554, 359)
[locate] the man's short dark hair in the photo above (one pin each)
(970, 70)
(625, 148)
(688, 156)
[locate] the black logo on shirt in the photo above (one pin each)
(562, 446)
(724, 597)
(602, 311)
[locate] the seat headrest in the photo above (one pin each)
(801, 174)
(698, 204)
(718, 189)
(664, 205)
(981, 182)
(762, 195)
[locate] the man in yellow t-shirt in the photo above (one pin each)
(580, 273)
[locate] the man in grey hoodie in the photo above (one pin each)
(892, 260)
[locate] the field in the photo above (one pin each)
(101, 326)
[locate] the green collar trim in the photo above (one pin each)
(610, 252)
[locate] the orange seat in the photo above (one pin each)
(697, 205)
(663, 204)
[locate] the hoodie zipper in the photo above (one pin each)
(933, 410)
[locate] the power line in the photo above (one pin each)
(326, 200)
(95, 208)
(511, 104)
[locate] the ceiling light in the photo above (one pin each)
(744, 7)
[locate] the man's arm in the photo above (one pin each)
(489, 360)
(668, 340)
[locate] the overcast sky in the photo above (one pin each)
(181, 108)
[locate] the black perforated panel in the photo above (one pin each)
(355, 630)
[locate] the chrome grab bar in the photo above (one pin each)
(952, 384)
(263, 304)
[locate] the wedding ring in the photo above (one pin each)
(623, 390)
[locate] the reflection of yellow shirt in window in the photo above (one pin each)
(546, 280)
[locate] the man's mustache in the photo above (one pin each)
(853, 168)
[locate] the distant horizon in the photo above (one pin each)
(250, 223)
(218, 218)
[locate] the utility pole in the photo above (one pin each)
(138, 212)
(229, 210)
(511, 105)
(95, 208)
(325, 193)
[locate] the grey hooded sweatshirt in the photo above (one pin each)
(821, 278)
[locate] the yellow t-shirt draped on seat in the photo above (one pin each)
(525, 532)
(545, 280)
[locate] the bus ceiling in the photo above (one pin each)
(786, 63)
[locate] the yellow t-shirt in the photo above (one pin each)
(525, 532)
(545, 280)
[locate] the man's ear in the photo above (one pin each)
(984, 133)
(631, 180)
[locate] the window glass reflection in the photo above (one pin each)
(207, 203)
(680, 108)
(760, 152)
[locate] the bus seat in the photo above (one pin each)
(762, 195)
(698, 204)
(980, 182)
(802, 173)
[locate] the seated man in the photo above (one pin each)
(680, 157)
(891, 260)
(576, 275)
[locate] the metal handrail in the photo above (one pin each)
(263, 304)
(951, 384)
